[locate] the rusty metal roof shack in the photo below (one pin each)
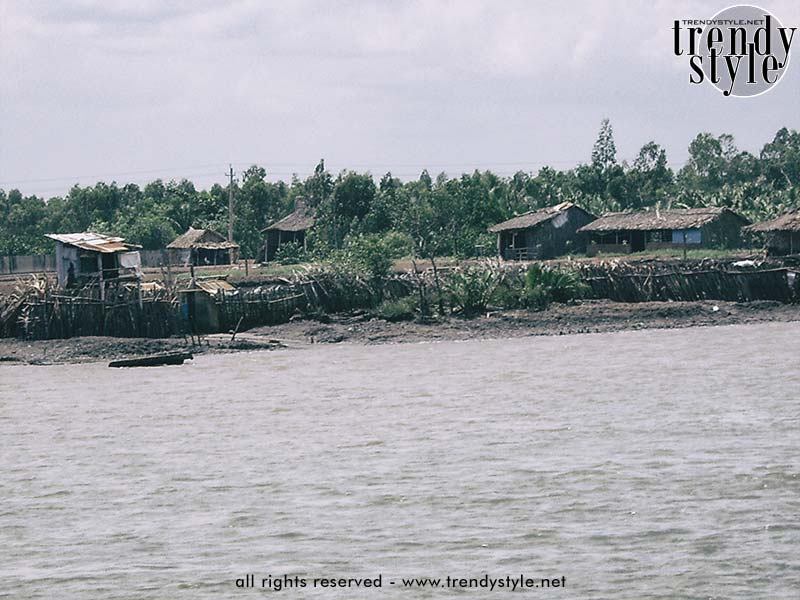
(203, 247)
(543, 233)
(93, 242)
(212, 286)
(291, 229)
(95, 259)
(201, 303)
(782, 234)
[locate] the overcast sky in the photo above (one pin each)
(138, 90)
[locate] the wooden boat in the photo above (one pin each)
(153, 360)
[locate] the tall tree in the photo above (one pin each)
(604, 152)
(650, 178)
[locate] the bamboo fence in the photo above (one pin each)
(39, 312)
(714, 283)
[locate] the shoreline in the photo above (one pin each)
(594, 316)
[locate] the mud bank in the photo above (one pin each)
(98, 349)
(588, 317)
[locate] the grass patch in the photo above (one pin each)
(401, 309)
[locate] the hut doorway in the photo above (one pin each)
(638, 241)
(109, 266)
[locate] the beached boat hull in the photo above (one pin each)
(153, 360)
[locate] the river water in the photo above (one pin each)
(646, 464)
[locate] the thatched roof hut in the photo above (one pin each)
(788, 222)
(542, 233)
(204, 247)
(201, 238)
(301, 219)
(782, 234)
(652, 220)
(290, 229)
(656, 229)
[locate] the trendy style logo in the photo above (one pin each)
(742, 50)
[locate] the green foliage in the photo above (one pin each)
(426, 217)
(604, 153)
(397, 244)
(473, 289)
(400, 309)
(345, 207)
(368, 253)
(257, 203)
(291, 253)
(544, 285)
(509, 293)
(470, 290)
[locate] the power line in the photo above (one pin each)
(463, 164)
(112, 175)
(304, 167)
(397, 170)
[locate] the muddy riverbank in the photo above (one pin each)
(587, 317)
(361, 328)
(98, 349)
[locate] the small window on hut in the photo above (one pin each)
(687, 236)
(88, 263)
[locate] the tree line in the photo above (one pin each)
(431, 216)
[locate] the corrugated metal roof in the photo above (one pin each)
(94, 242)
(534, 217)
(677, 218)
(213, 285)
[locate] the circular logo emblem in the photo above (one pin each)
(745, 50)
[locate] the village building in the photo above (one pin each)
(94, 259)
(199, 306)
(291, 229)
(543, 233)
(201, 247)
(782, 235)
(683, 228)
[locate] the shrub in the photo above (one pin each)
(290, 253)
(369, 253)
(397, 245)
(401, 309)
(510, 291)
(544, 285)
(471, 289)
(485, 244)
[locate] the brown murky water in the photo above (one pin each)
(649, 464)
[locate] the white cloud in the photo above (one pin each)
(99, 87)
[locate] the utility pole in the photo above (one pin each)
(230, 204)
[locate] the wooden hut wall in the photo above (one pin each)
(723, 232)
